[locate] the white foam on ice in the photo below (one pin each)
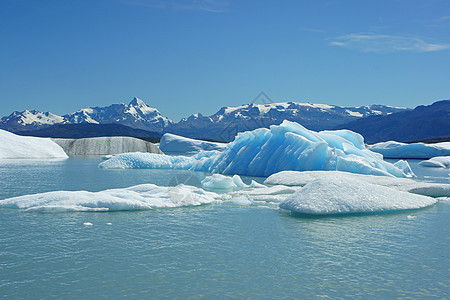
(340, 195)
(16, 146)
(263, 152)
(140, 197)
(294, 178)
(437, 162)
(175, 143)
(392, 149)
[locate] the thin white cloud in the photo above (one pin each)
(369, 42)
(213, 6)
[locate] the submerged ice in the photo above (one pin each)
(263, 152)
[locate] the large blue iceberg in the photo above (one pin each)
(263, 152)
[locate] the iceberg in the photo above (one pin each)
(106, 145)
(16, 146)
(218, 181)
(437, 162)
(263, 152)
(175, 143)
(294, 178)
(392, 149)
(340, 195)
(140, 197)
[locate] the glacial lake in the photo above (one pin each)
(216, 251)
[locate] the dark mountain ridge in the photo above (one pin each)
(421, 123)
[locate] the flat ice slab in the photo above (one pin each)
(175, 143)
(16, 146)
(394, 149)
(140, 197)
(338, 195)
(294, 178)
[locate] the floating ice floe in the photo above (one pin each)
(437, 162)
(394, 149)
(263, 152)
(16, 146)
(175, 143)
(217, 181)
(294, 178)
(140, 197)
(339, 195)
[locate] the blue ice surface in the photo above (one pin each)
(263, 152)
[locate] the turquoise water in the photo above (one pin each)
(212, 251)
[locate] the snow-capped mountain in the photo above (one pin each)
(224, 124)
(221, 126)
(29, 120)
(137, 114)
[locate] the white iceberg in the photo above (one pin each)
(437, 162)
(221, 182)
(175, 143)
(394, 149)
(140, 197)
(16, 146)
(340, 195)
(294, 178)
(263, 152)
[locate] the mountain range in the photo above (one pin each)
(221, 126)
(376, 122)
(137, 115)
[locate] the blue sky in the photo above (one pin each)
(188, 56)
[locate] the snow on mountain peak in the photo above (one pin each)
(137, 102)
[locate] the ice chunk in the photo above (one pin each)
(405, 167)
(263, 152)
(175, 143)
(140, 197)
(340, 195)
(294, 178)
(106, 145)
(238, 181)
(16, 146)
(217, 181)
(255, 184)
(394, 149)
(437, 162)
